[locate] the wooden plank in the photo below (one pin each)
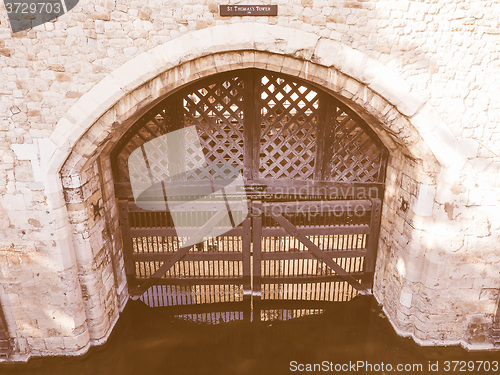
(318, 230)
(236, 256)
(151, 232)
(319, 254)
(329, 190)
(256, 116)
(295, 188)
(372, 243)
(329, 137)
(307, 279)
(142, 287)
(312, 207)
(126, 239)
(198, 256)
(195, 281)
(247, 256)
(192, 206)
(250, 122)
(247, 268)
(168, 232)
(284, 255)
(320, 159)
(257, 246)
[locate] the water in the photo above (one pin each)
(151, 341)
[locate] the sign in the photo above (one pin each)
(252, 188)
(248, 10)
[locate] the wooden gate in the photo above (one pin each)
(313, 181)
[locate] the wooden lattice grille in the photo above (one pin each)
(353, 153)
(217, 112)
(274, 127)
(295, 146)
(289, 128)
(151, 128)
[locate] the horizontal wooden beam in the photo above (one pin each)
(194, 281)
(314, 207)
(285, 255)
(200, 256)
(308, 279)
(193, 206)
(318, 230)
(169, 232)
(292, 188)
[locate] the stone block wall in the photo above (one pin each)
(423, 74)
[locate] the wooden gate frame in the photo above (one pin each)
(265, 110)
(362, 283)
(169, 259)
(252, 232)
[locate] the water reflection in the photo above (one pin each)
(162, 341)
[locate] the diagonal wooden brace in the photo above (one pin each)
(316, 251)
(178, 255)
(137, 292)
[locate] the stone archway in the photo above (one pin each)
(79, 186)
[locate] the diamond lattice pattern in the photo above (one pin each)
(355, 156)
(152, 128)
(217, 111)
(287, 133)
(288, 128)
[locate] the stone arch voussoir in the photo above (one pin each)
(349, 73)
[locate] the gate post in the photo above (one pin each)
(127, 243)
(372, 243)
(247, 266)
(257, 248)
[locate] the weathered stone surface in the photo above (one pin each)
(416, 71)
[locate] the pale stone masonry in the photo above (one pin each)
(424, 74)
